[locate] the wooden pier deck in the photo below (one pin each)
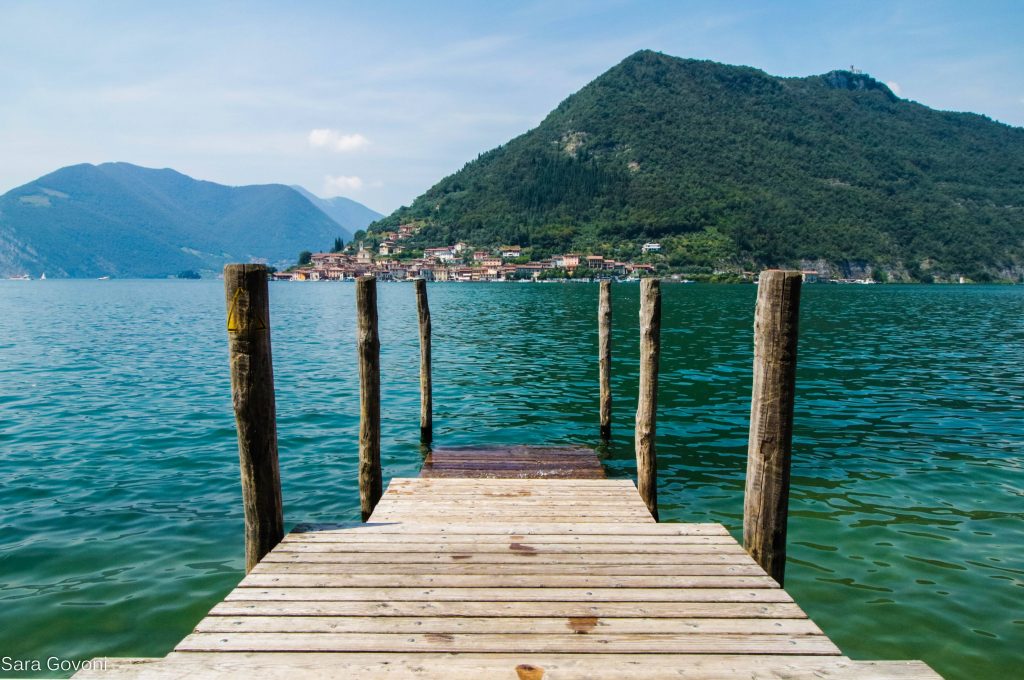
(510, 562)
(510, 569)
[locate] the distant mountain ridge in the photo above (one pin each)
(729, 167)
(351, 215)
(118, 219)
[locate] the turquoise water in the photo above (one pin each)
(121, 521)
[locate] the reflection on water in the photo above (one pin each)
(122, 512)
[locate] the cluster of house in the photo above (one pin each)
(449, 264)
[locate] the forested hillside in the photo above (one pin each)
(729, 166)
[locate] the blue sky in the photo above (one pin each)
(377, 101)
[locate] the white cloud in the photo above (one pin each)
(895, 87)
(326, 138)
(339, 185)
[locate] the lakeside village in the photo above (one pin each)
(460, 262)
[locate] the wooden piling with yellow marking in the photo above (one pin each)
(252, 394)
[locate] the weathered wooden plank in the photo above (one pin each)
(517, 594)
(685, 545)
(424, 537)
(615, 514)
(502, 457)
(346, 580)
(511, 449)
(593, 503)
(514, 548)
(893, 670)
(566, 643)
(598, 666)
(568, 511)
(519, 462)
(569, 529)
(591, 506)
(628, 515)
(537, 468)
(551, 487)
(570, 456)
(511, 516)
(581, 625)
(506, 474)
(511, 463)
(522, 487)
(513, 513)
(527, 486)
(572, 561)
(512, 473)
(460, 567)
(535, 484)
(641, 610)
(583, 497)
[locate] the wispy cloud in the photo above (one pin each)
(326, 138)
(895, 87)
(339, 185)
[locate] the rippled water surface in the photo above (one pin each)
(121, 508)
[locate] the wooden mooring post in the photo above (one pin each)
(426, 389)
(252, 394)
(368, 344)
(769, 449)
(604, 352)
(647, 403)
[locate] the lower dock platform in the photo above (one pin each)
(508, 577)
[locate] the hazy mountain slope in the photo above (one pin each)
(729, 164)
(351, 215)
(122, 220)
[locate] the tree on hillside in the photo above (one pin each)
(305, 257)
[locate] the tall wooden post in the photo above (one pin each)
(426, 390)
(370, 481)
(766, 501)
(604, 352)
(647, 404)
(252, 394)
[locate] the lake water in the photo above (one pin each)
(121, 507)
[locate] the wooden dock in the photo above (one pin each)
(513, 576)
(511, 562)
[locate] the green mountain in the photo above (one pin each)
(121, 220)
(729, 166)
(350, 215)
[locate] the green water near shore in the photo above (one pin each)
(121, 521)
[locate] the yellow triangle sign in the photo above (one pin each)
(238, 323)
